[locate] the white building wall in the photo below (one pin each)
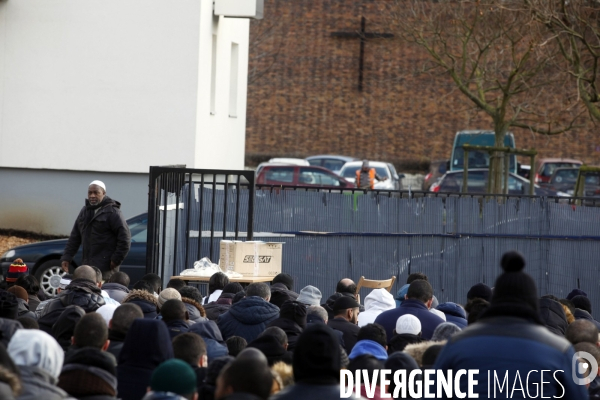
(117, 85)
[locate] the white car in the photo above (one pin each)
(383, 169)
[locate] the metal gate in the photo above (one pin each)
(191, 210)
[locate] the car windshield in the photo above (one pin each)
(565, 176)
(478, 159)
(138, 229)
(280, 174)
(350, 171)
(550, 167)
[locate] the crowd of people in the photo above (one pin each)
(106, 340)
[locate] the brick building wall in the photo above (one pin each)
(303, 96)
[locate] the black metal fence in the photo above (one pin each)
(185, 205)
(457, 240)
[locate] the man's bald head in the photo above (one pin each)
(85, 272)
(250, 353)
(346, 285)
(582, 331)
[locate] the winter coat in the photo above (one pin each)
(219, 307)
(116, 291)
(209, 331)
(553, 316)
(514, 345)
(376, 302)
(80, 292)
(6, 392)
(8, 327)
(454, 313)
(582, 314)
(146, 346)
(37, 384)
(64, 328)
(305, 391)
(416, 350)
(247, 318)
(348, 329)
(398, 342)
(33, 302)
(105, 237)
(429, 321)
(162, 396)
(116, 343)
(23, 309)
(292, 330)
(194, 309)
(177, 327)
(280, 294)
(147, 302)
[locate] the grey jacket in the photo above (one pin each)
(116, 291)
(37, 384)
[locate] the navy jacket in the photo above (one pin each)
(582, 314)
(177, 327)
(429, 321)
(454, 313)
(510, 344)
(247, 318)
(215, 345)
(553, 316)
(146, 346)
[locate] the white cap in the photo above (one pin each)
(408, 323)
(98, 183)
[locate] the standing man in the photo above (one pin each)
(365, 176)
(103, 232)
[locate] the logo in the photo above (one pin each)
(583, 363)
(261, 259)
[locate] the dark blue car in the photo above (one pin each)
(43, 258)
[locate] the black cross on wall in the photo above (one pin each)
(363, 36)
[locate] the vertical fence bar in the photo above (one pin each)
(251, 194)
(189, 216)
(164, 235)
(225, 207)
(200, 218)
(237, 208)
(177, 179)
(212, 215)
(152, 231)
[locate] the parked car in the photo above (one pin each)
(293, 175)
(43, 258)
(330, 162)
(545, 167)
(282, 161)
(478, 159)
(436, 170)
(393, 181)
(452, 182)
(564, 180)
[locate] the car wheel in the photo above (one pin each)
(49, 274)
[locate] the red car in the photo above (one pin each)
(545, 167)
(294, 175)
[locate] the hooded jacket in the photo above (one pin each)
(38, 384)
(116, 291)
(177, 327)
(429, 321)
(553, 316)
(8, 327)
(146, 346)
(582, 314)
(398, 342)
(147, 302)
(363, 347)
(215, 345)
(103, 232)
(194, 310)
(376, 302)
(247, 318)
(454, 313)
(80, 292)
(64, 327)
(280, 294)
(219, 307)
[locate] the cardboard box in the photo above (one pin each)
(251, 258)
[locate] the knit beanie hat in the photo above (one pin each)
(583, 303)
(576, 292)
(408, 323)
(480, 291)
(295, 311)
(286, 279)
(15, 270)
(233, 288)
(88, 372)
(168, 294)
(9, 306)
(174, 376)
(514, 286)
(444, 331)
(317, 355)
(310, 295)
(19, 292)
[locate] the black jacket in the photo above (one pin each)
(292, 330)
(553, 316)
(116, 342)
(217, 308)
(582, 314)
(280, 294)
(348, 329)
(247, 318)
(80, 292)
(105, 237)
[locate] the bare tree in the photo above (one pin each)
(575, 25)
(494, 53)
(267, 38)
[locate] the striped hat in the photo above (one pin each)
(16, 269)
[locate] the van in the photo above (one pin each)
(479, 159)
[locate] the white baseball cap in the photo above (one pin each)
(408, 323)
(98, 183)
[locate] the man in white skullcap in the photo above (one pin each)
(102, 231)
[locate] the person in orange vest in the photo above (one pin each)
(365, 176)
